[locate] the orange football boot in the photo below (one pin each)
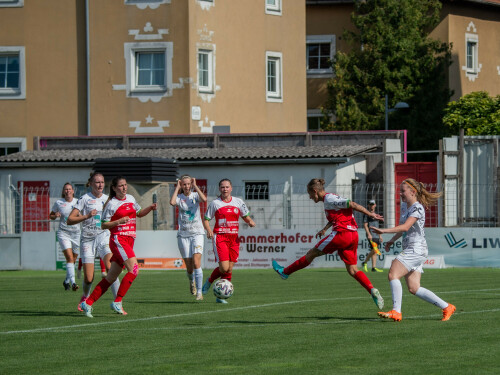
(448, 312)
(393, 314)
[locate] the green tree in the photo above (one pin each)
(477, 113)
(390, 53)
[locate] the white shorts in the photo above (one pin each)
(68, 240)
(99, 245)
(412, 261)
(191, 245)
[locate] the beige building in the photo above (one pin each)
(125, 67)
(472, 26)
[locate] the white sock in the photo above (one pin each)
(198, 276)
(115, 286)
(86, 288)
(190, 276)
(430, 297)
(70, 273)
(397, 294)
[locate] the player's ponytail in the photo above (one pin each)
(316, 184)
(426, 198)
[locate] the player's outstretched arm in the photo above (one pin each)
(247, 219)
(147, 210)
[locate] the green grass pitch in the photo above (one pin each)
(319, 321)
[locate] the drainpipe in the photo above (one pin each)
(87, 53)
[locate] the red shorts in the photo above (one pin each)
(226, 247)
(122, 248)
(345, 243)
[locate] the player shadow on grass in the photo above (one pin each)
(149, 302)
(40, 313)
(324, 318)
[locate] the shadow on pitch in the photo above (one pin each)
(344, 318)
(149, 302)
(40, 313)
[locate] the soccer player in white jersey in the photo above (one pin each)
(226, 210)
(67, 235)
(94, 239)
(191, 235)
(410, 261)
(343, 238)
(119, 216)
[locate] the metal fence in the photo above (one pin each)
(284, 206)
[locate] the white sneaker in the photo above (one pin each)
(377, 298)
(87, 309)
(199, 297)
(117, 308)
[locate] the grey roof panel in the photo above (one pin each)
(189, 154)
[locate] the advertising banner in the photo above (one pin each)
(457, 247)
(259, 248)
(452, 247)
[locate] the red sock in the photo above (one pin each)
(80, 264)
(215, 275)
(227, 276)
(127, 281)
(297, 265)
(99, 290)
(103, 267)
(363, 280)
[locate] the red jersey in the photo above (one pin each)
(339, 213)
(226, 214)
(116, 209)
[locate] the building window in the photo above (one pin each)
(205, 71)
(11, 3)
(274, 81)
(9, 72)
(257, 190)
(314, 123)
(7, 150)
(149, 69)
(471, 56)
(143, 4)
(320, 50)
(273, 7)
(472, 67)
(11, 145)
(12, 70)
(318, 56)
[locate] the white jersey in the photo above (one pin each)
(64, 208)
(91, 227)
(414, 238)
(189, 218)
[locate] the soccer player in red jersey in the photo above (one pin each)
(119, 216)
(226, 210)
(343, 238)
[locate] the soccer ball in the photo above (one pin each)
(223, 289)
